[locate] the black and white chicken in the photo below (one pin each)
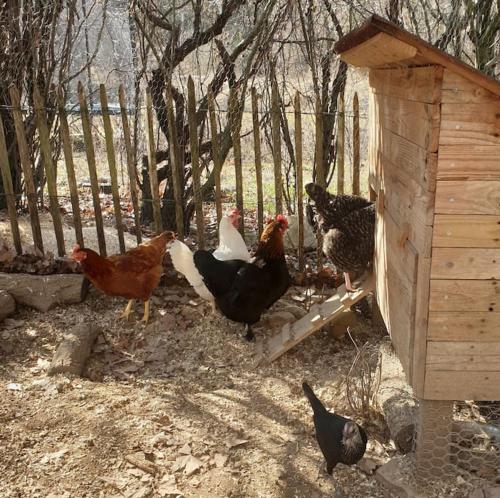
(348, 226)
(340, 439)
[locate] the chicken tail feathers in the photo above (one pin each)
(316, 404)
(182, 259)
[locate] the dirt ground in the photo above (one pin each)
(177, 408)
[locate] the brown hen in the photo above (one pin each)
(133, 275)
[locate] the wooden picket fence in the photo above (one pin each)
(66, 142)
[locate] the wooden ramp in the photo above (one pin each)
(319, 315)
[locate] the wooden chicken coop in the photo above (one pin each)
(434, 156)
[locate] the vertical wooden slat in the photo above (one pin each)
(89, 150)
(174, 161)
(130, 164)
(24, 156)
(258, 161)
(355, 145)
(235, 124)
(276, 138)
(320, 170)
(340, 145)
(70, 166)
(300, 180)
(153, 173)
(320, 166)
(216, 158)
(50, 170)
(195, 163)
(110, 152)
(8, 189)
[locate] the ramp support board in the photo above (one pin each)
(319, 315)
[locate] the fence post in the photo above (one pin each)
(235, 124)
(195, 163)
(355, 145)
(110, 151)
(340, 145)
(174, 163)
(320, 171)
(130, 164)
(276, 138)
(24, 156)
(70, 167)
(300, 181)
(8, 188)
(153, 173)
(89, 149)
(258, 161)
(50, 170)
(215, 154)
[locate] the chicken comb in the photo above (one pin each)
(282, 219)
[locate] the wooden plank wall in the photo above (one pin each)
(404, 139)
(463, 351)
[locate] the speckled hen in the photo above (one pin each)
(348, 226)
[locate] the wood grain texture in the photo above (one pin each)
(465, 263)
(340, 163)
(153, 172)
(415, 161)
(470, 124)
(8, 190)
(276, 139)
(419, 84)
(460, 295)
(113, 173)
(452, 385)
(396, 276)
(469, 162)
(91, 161)
(409, 204)
(24, 158)
(195, 164)
(468, 197)
(134, 194)
(235, 116)
(463, 356)
(459, 90)
(216, 157)
(415, 121)
(452, 230)
(418, 343)
(478, 326)
(70, 166)
(258, 161)
(379, 50)
(300, 179)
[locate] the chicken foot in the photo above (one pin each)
(145, 318)
(128, 309)
(249, 336)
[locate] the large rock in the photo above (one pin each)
(292, 234)
(44, 292)
(7, 305)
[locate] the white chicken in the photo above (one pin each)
(231, 246)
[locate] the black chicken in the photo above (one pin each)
(341, 440)
(243, 291)
(348, 226)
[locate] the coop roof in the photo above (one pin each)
(380, 43)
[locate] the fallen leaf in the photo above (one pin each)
(236, 442)
(192, 465)
(220, 460)
(13, 386)
(185, 450)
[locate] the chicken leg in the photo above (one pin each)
(249, 336)
(145, 318)
(128, 309)
(348, 284)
